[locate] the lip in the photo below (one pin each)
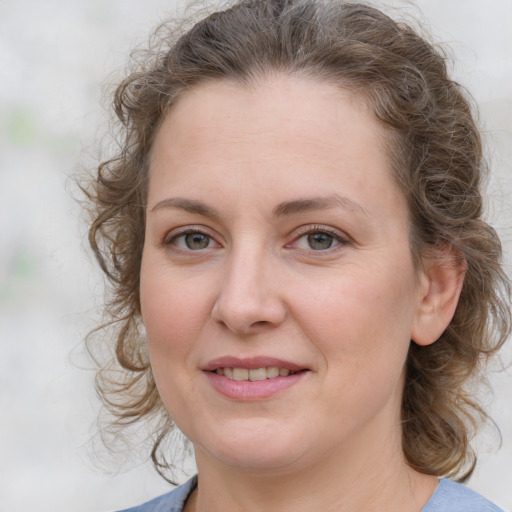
(251, 363)
(252, 390)
(246, 390)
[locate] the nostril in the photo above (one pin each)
(247, 314)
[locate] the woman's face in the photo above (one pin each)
(277, 243)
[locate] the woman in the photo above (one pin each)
(302, 279)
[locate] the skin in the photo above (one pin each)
(347, 313)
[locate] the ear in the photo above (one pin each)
(440, 284)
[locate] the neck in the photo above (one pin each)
(365, 476)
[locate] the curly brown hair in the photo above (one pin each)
(435, 148)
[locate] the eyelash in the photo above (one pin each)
(172, 237)
(342, 240)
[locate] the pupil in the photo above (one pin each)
(319, 241)
(197, 241)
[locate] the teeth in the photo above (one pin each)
(254, 374)
(272, 371)
(257, 374)
(240, 374)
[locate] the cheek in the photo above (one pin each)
(361, 318)
(173, 315)
(173, 309)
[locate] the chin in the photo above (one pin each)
(254, 447)
(254, 460)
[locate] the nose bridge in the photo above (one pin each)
(248, 297)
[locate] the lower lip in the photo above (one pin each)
(252, 390)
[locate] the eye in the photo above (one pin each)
(318, 239)
(191, 240)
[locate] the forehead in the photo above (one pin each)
(282, 133)
(276, 104)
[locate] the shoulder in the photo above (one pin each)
(173, 501)
(453, 497)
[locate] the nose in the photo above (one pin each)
(249, 300)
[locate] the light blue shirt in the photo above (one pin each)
(173, 501)
(448, 497)
(453, 497)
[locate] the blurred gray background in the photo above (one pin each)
(56, 57)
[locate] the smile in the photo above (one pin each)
(254, 374)
(254, 378)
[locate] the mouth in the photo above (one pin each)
(253, 378)
(254, 374)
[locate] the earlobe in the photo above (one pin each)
(439, 288)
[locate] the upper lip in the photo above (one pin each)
(251, 363)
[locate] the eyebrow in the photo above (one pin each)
(283, 209)
(317, 203)
(189, 205)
